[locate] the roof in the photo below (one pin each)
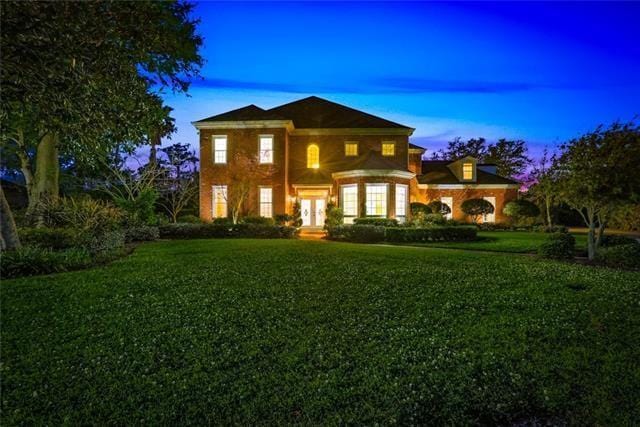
(309, 113)
(250, 112)
(416, 147)
(437, 172)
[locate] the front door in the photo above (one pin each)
(312, 211)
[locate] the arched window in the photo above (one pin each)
(313, 156)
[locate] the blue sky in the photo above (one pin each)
(543, 72)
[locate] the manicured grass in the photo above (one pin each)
(311, 332)
(506, 241)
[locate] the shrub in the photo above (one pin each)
(476, 208)
(437, 206)
(296, 221)
(80, 213)
(142, 209)
(50, 238)
(190, 218)
(625, 256)
(434, 219)
(262, 220)
(550, 229)
(434, 233)
(418, 209)
(206, 231)
(220, 221)
(142, 233)
(365, 233)
(29, 261)
(334, 216)
(283, 219)
(106, 244)
(557, 246)
(518, 210)
(381, 222)
(616, 240)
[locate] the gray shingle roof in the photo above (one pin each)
(437, 172)
(250, 112)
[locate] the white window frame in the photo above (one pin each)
(219, 155)
(265, 154)
(393, 143)
(348, 213)
(402, 203)
(265, 201)
(370, 211)
(219, 197)
(351, 143)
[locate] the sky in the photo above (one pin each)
(543, 72)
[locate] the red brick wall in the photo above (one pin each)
(502, 195)
(245, 140)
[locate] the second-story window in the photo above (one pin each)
(388, 148)
(313, 156)
(467, 171)
(266, 148)
(350, 148)
(220, 149)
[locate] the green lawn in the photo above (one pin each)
(506, 241)
(276, 331)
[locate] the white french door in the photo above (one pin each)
(313, 212)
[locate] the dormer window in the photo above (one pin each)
(467, 171)
(313, 156)
(389, 148)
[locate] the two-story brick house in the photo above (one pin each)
(321, 152)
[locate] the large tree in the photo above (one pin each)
(543, 184)
(78, 77)
(510, 156)
(598, 172)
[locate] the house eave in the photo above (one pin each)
(361, 173)
(467, 186)
(352, 131)
(244, 124)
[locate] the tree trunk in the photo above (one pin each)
(25, 163)
(602, 225)
(46, 181)
(9, 239)
(591, 241)
(547, 205)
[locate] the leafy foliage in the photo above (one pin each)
(142, 233)
(228, 230)
(625, 256)
(82, 213)
(34, 260)
(383, 222)
(334, 216)
(557, 246)
(475, 208)
(437, 206)
(521, 209)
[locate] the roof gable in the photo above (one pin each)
(250, 112)
(439, 172)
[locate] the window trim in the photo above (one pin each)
(214, 193)
(260, 150)
(315, 165)
(348, 218)
(346, 153)
(392, 143)
(385, 185)
(269, 203)
(214, 151)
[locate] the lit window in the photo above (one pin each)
(266, 202)
(401, 202)
(219, 199)
(350, 148)
(349, 201)
(376, 200)
(220, 149)
(389, 148)
(467, 171)
(266, 148)
(313, 156)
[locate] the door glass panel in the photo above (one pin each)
(320, 207)
(305, 211)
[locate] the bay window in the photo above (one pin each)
(376, 200)
(401, 202)
(349, 202)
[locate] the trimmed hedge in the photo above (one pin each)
(143, 233)
(261, 220)
(557, 246)
(380, 222)
(433, 233)
(225, 231)
(371, 234)
(625, 256)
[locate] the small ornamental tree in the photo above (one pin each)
(296, 217)
(438, 207)
(519, 210)
(419, 211)
(246, 173)
(475, 208)
(334, 216)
